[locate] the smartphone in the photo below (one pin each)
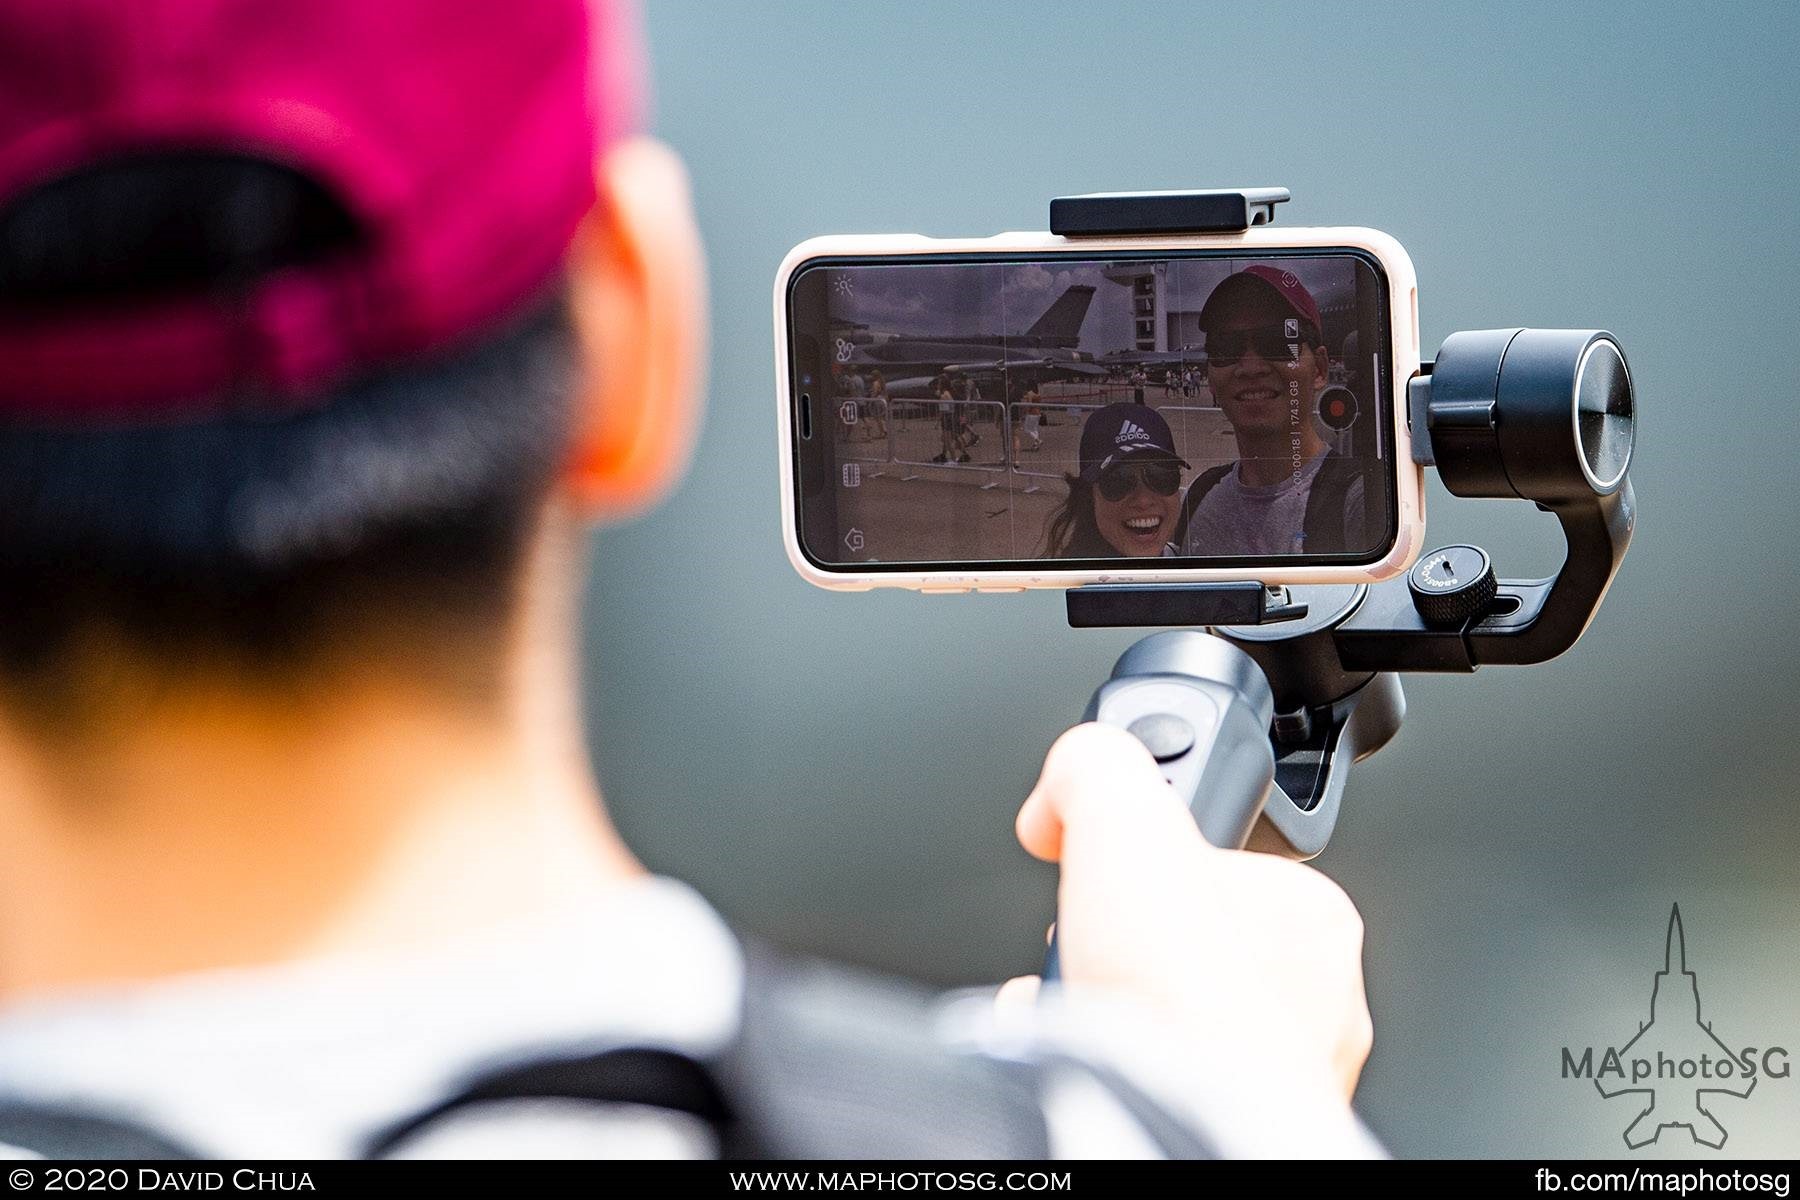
(1031, 411)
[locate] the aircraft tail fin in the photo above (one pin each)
(1061, 322)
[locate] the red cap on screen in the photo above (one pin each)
(1262, 279)
(460, 136)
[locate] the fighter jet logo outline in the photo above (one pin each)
(1675, 1020)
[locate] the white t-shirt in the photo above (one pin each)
(312, 1059)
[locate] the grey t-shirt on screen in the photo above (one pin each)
(1235, 518)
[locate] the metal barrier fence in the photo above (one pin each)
(902, 431)
(1046, 408)
(967, 435)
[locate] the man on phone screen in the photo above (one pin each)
(1266, 364)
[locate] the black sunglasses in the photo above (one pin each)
(1228, 347)
(1116, 483)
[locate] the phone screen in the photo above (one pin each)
(1204, 408)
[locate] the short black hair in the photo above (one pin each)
(402, 499)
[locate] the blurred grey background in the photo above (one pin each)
(840, 772)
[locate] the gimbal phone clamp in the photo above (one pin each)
(1258, 708)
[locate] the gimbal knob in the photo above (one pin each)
(1451, 585)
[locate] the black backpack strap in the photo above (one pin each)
(834, 1064)
(1327, 520)
(1203, 483)
(56, 1131)
(632, 1075)
(826, 1064)
(1324, 521)
(648, 1077)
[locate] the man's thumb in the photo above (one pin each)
(1101, 797)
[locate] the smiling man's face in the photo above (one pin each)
(1268, 389)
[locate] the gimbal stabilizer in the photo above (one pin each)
(1286, 688)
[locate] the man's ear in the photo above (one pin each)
(638, 290)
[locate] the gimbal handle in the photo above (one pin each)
(1202, 708)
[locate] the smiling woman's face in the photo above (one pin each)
(1139, 524)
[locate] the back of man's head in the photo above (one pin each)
(286, 352)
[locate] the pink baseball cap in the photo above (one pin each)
(1260, 279)
(460, 136)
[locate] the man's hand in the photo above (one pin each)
(1245, 951)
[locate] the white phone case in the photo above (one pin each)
(1404, 320)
